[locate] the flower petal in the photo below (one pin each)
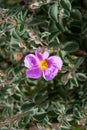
(38, 53)
(56, 61)
(45, 54)
(30, 61)
(50, 72)
(33, 73)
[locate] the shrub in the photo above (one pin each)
(61, 27)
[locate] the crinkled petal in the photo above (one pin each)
(45, 54)
(50, 72)
(33, 73)
(38, 53)
(56, 61)
(30, 61)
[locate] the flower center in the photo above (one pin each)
(43, 64)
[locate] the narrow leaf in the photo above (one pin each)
(71, 46)
(53, 12)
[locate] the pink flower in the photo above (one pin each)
(41, 64)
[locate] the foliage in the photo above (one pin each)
(61, 27)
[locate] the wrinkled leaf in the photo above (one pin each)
(71, 46)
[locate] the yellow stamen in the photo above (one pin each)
(43, 64)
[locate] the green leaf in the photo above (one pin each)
(65, 78)
(14, 34)
(51, 113)
(27, 106)
(4, 89)
(4, 128)
(40, 98)
(76, 128)
(74, 82)
(84, 28)
(52, 26)
(81, 77)
(79, 62)
(53, 12)
(16, 97)
(66, 4)
(75, 14)
(54, 43)
(52, 36)
(40, 116)
(60, 27)
(71, 46)
(35, 21)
